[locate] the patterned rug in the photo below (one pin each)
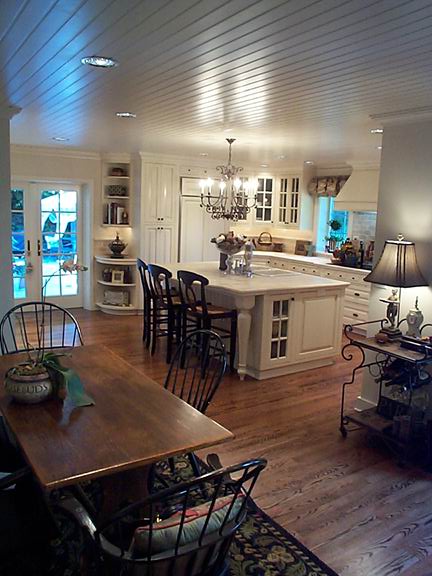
(260, 548)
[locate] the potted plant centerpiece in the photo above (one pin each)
(41, 374)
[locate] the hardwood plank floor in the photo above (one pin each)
(347, 500)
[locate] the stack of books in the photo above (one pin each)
(115, 213)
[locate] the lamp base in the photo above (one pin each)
(392, 333)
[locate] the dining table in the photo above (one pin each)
(134, 423)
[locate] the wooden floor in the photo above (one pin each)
(346, 500)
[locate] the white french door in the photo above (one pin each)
(46, 231)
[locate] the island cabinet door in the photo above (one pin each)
(274, 349)
(316, 325)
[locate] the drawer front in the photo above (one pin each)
(353, 316)
(356, 295)
(356, 303)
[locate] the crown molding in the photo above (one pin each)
(359, 165)
(8, 112)
(403, 116)
(54, 152)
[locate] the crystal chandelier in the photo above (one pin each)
(233, 197)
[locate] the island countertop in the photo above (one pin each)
(257, 284)
(287, 321)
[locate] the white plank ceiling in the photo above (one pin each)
(296, 78)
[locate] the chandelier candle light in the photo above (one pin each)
(235, 198)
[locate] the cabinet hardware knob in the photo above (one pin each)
(356, 294)
(354, 314)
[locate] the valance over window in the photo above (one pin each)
(326, 186)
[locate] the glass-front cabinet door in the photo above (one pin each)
(289, 201)
(264, 200)
(46, 231)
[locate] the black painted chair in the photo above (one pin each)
(195, 374)
(176, 531)
(166, 310)
(201, 314)
(36, 325)
(143, 272)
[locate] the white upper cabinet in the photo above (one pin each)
(160, 193)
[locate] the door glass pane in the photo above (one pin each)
(50, 200)
(69, 284)
(18, 222)
(59, 240)
(17, 199)
(18, 244)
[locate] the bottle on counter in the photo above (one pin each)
(248, 255)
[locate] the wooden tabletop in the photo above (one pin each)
(135, 422)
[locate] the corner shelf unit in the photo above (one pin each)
(116, 297)
(116, 193)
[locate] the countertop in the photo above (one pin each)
(318, 260)
(255, 285)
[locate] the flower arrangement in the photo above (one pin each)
(229, 243)
(42, 374)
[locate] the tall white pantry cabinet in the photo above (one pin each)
(159, 212)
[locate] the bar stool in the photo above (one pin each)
(166, 308)
(143, 272)
(202, 313)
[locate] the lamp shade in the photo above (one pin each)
(397, 266)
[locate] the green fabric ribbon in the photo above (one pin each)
(69, 384)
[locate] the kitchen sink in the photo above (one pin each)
(268, 271)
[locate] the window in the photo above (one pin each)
(326, 214)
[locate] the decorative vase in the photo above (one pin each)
(28, 388)
(223, 261)
(414, 320)
(117, 246)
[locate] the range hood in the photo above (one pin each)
(360, 192)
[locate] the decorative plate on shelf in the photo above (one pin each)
(116, 190)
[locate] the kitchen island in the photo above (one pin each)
(287, 321)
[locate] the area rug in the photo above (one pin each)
(260, 548)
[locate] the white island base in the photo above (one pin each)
(287, 322)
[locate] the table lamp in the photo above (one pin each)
(397, 266)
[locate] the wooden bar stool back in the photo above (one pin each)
(143, 272)
(203, 314)
(166, 308)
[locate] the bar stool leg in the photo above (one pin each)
(233, 342)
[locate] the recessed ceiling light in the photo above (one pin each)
(99, 61)
(264, 165)
(379, 147)
(125, 115)
(203, 154)
(376, 131)
(308, 161)
(60, 139)
(281, 156)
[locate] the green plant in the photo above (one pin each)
(65, 381)
(335, 225)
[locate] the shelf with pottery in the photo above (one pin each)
(116, 192)
(116, 280)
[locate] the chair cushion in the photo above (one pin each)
(165, 533)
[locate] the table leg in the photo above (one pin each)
(121, 489)
(244, 306)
